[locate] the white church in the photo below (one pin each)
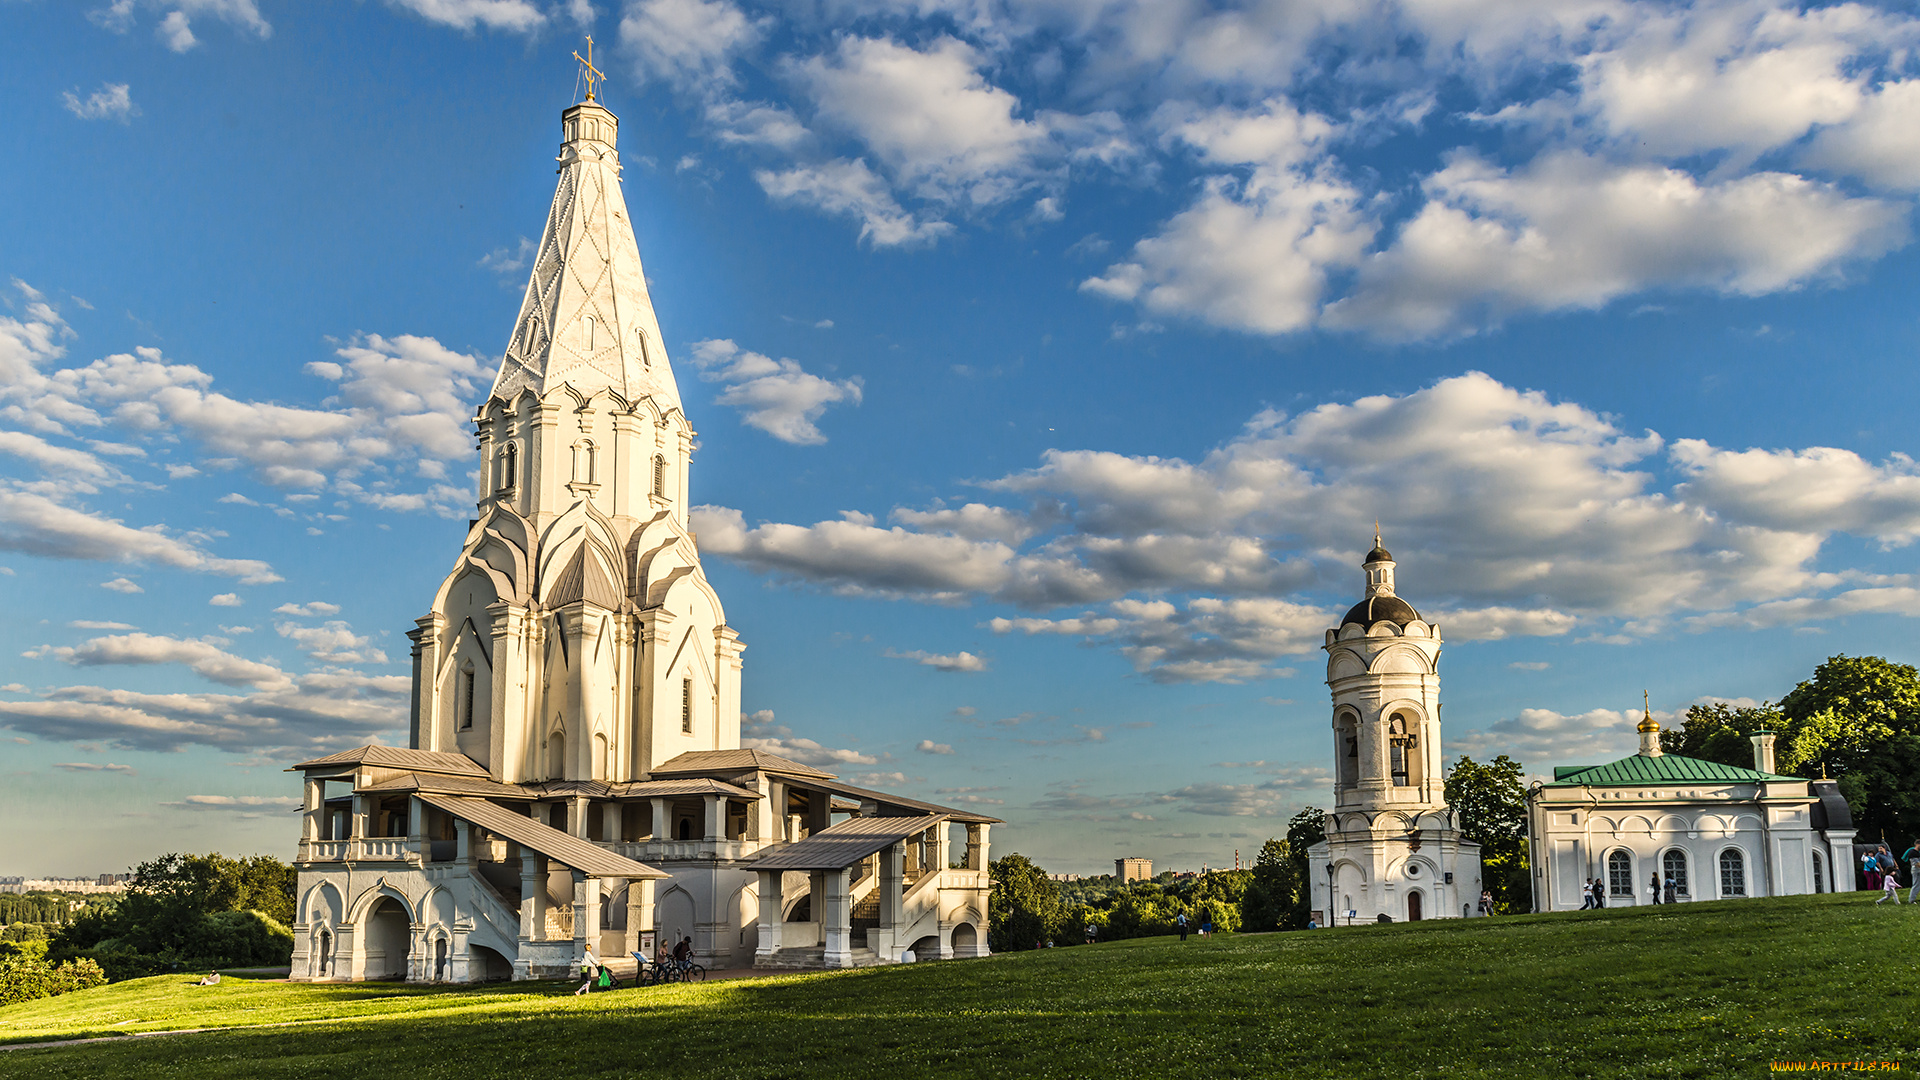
(1393, 848)
(574, 777)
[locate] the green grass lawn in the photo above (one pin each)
(1700, 990)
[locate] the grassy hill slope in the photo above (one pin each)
(1700, 990)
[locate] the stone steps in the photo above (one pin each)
(812, 959)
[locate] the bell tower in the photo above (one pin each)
(1391, 842)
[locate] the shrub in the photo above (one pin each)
(23, 979)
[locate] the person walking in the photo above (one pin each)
(1486, 903)
(1092, 932)
(1890, 890)
(1911, 857)
(1181, 922)
(1870, 868)
(1586, 895)
(1672, 889)
(1653, 886)
(1883, 860)
(1599, 893)
(589, 970)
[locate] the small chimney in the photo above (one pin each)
(1763, 751)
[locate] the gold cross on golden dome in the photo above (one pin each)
(592, 73)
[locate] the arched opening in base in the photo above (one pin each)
(388, 933)
(965, 940)
(489, 966)
(927, 948)
(1413, 907)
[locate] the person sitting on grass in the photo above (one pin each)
(212, 978)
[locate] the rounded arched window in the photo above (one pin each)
(509, 467)
(1619, 873)
(1397, 749)
(660, 475)
(1819, 877)
(1673, 865)
(1733, 873)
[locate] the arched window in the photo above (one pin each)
(509, 467)
(466, 697)
(1673, 864)
(1733, 873)
(586, 465)
(686, 706)
(1619, 873)
(557, 756)
(1347, 750)
(640, 341)
(589, 333)
(600, 758)
(1819, 877)
(660, 475)
(1397, 744)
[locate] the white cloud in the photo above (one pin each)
(57, 460)
(516, 16)
(333, 643)
(1879, 143)
(1252, 254)
(311, 609)
(928, 746)
(960, 661)
(113, 101)
(930, 117)
(226, 599)
(687, 43)
(237, 803)
(850, 188)
(1515, 516)
(777, 396)
(204, 657)
(175, 29)
(122, 585)
(88, 766)
(509, 260)
(90, 624)
(1543, 738)
(38, 525)
(319, 714)
(1574, 232)
(1530, 665)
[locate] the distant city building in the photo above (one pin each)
(105, 883)
(1133, 869)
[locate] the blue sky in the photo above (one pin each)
(1105, 329)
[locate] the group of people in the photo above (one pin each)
(1206, 926)
(598, 976)
(1883, 872)
(1593, 894)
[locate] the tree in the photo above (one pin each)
(191, 911)
(1305, 829)
(1490, 808)
(1721, 732)
(1273, 900)
(1024, 906)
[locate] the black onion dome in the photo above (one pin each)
(1374, 608)
(1378, 554)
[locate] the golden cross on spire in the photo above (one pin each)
(592, 73)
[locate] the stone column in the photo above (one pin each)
(425, 710)
(662, 820)
(577, 813)
(836, 921)
(977, 848)
(533, 896)
(942, 848)
(362, 810)
(586, 913)
(769, 919)
(313, 819)
(715, 825)
(610, 822)
(639, 912)
(463, 846)
(417, 827)
(893, 906)
(508, 734)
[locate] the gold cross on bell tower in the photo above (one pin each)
(592, 73)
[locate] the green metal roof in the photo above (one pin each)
(1665, 769)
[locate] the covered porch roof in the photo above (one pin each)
(840, 846)
(567, 850)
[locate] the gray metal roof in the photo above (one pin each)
(901, 801)
(452, 785)
(567, 850)
(398, 757)
(736, 761)
(845, 844)
(691, 785)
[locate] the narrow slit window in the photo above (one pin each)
(466, 699)
(509, 467)
(660, 475)
(589, 333)
(686, 706)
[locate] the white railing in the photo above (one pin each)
(325, 851)
(365, 849)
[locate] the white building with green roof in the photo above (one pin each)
(1719, 831)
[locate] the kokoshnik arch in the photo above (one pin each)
(574, 777)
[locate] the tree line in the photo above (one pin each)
(187, 912)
